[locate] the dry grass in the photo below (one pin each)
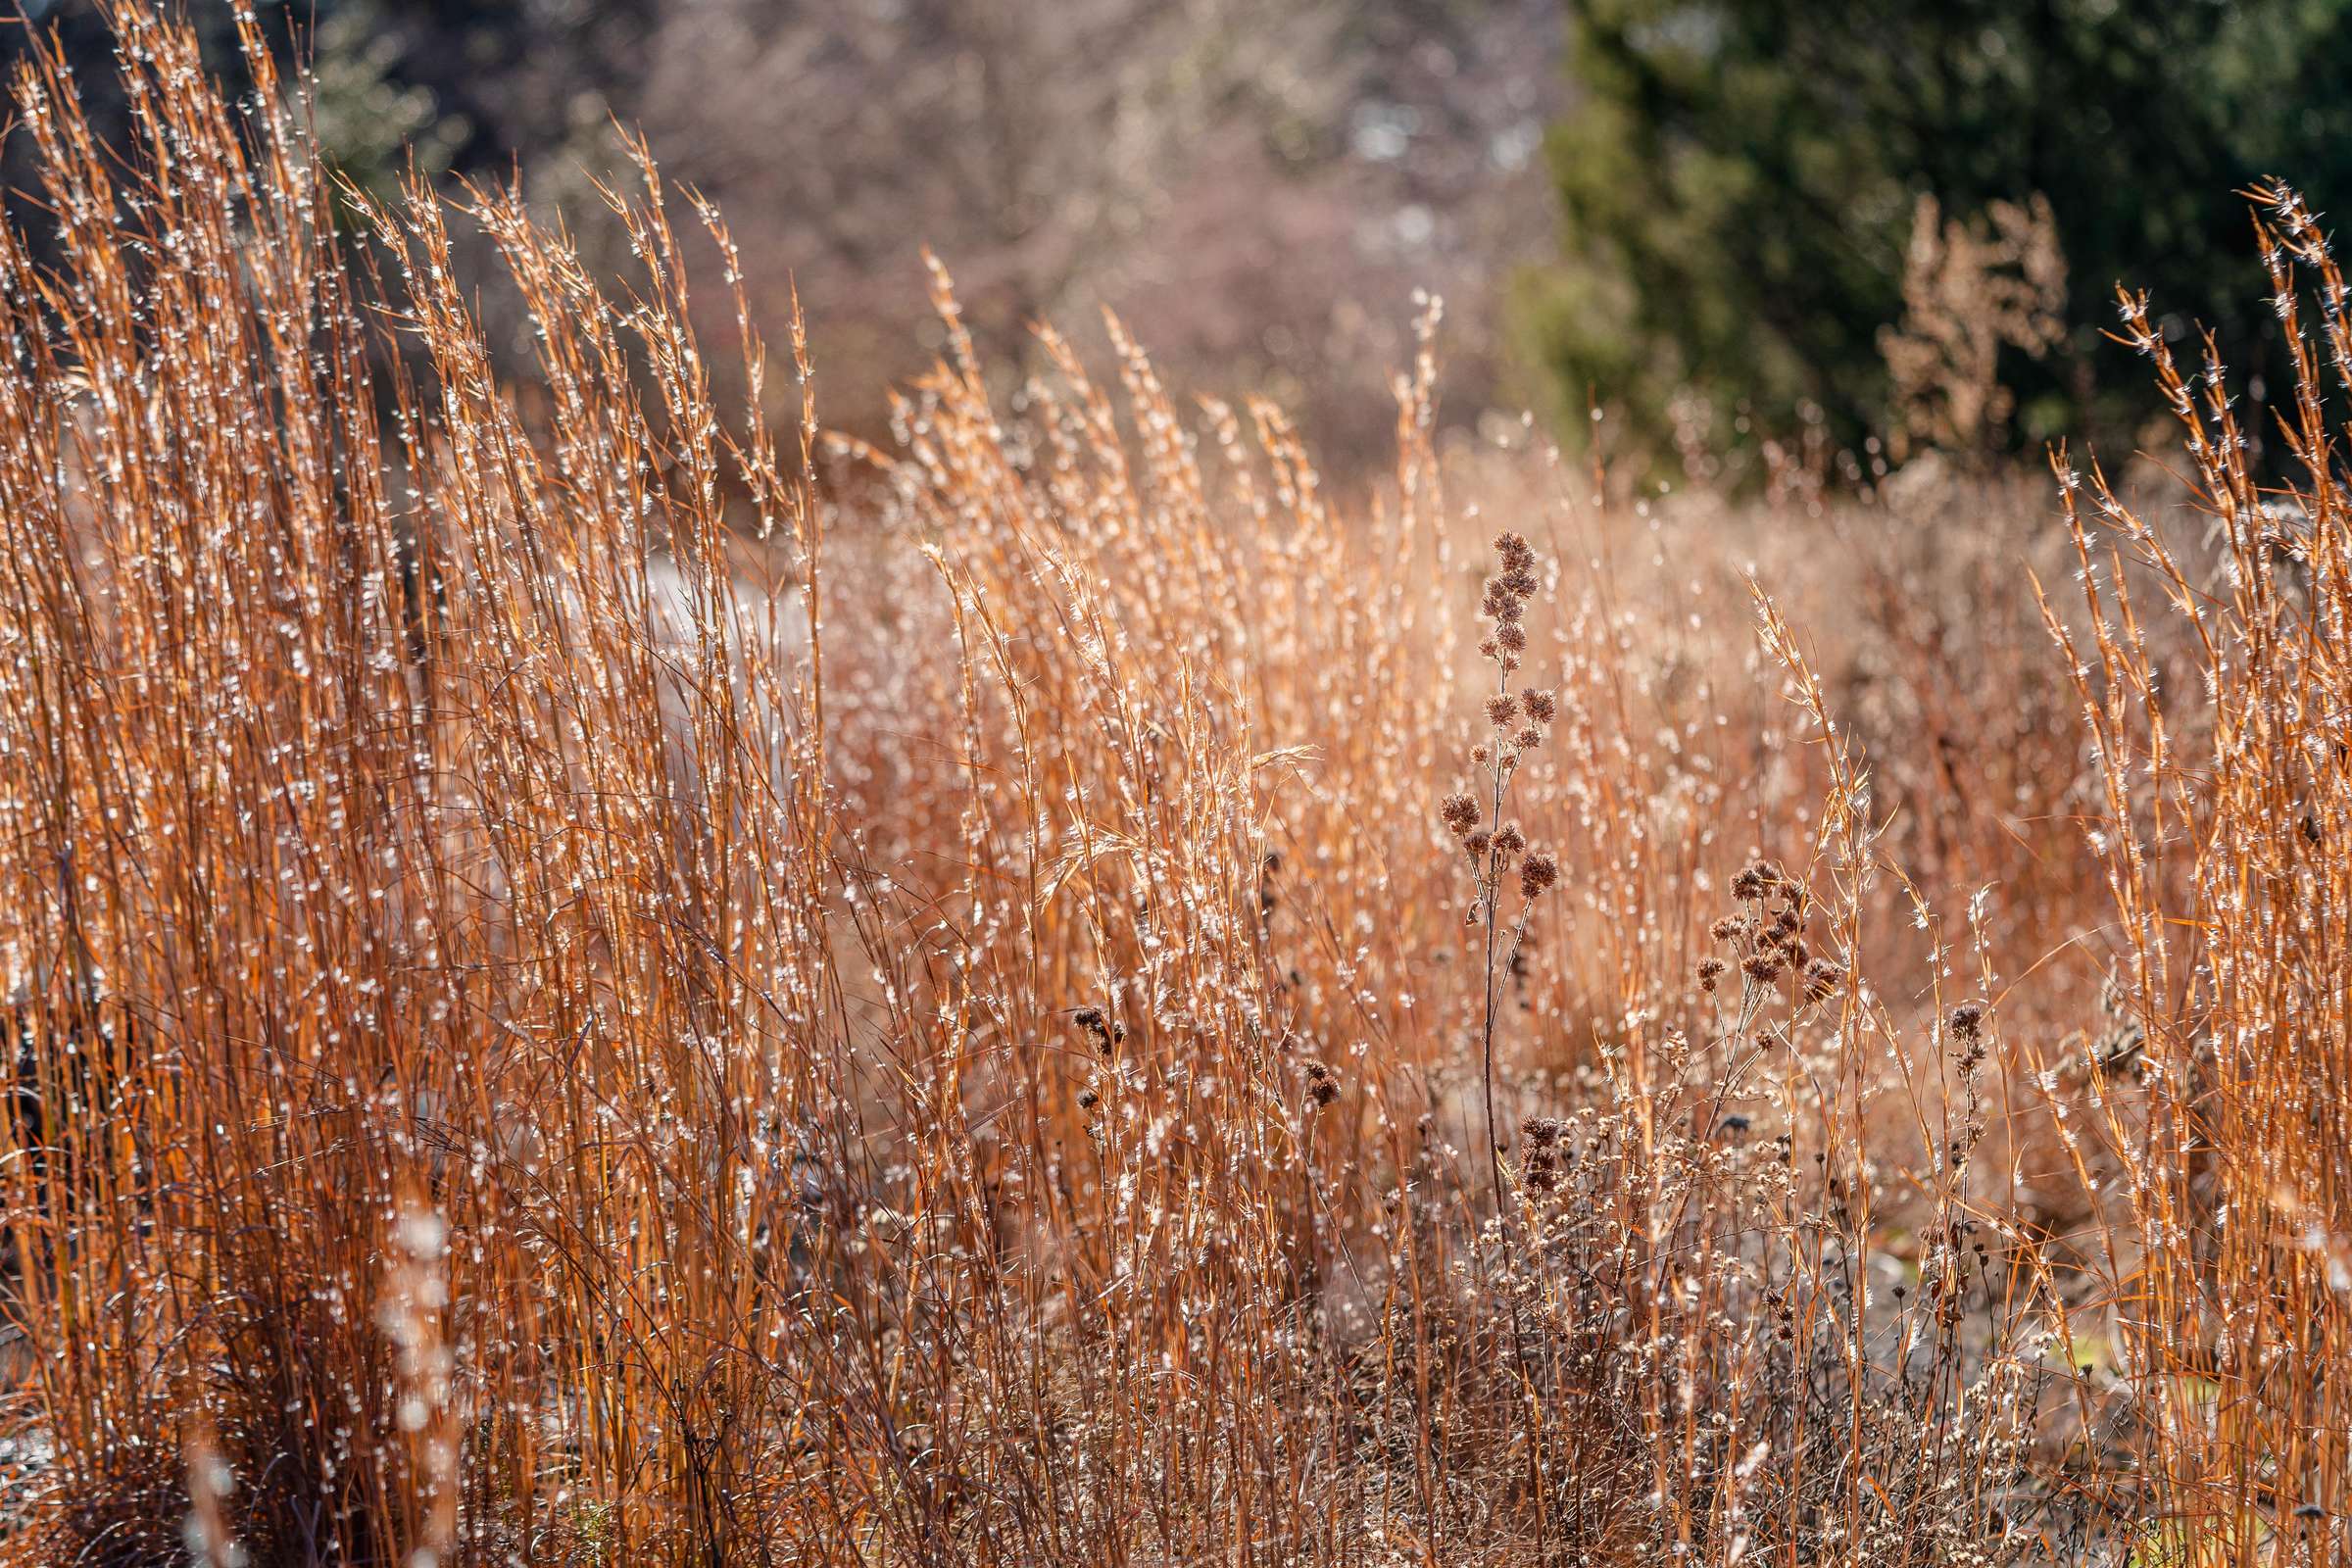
(578, 1002)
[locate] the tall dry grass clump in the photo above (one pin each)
(2214, 1101)
(577, 999)
(413, 916)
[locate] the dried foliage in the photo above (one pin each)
(1970, 290)
(574, 1005)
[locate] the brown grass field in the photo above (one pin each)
(593, 980)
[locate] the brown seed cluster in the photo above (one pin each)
(1459, 814)
(1508, 590)
(1966, 1022)
(1537, 873)
(1549, 1152)
(1105, 1031)
(1767, 938)
(1520, 720)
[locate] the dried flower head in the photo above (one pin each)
(1710, 971)
(1504, 602)
(1502, 709)
(1106, 1030)
(1459, 812)
(1821, 979)
(1322, 1084)
(1537, 873)
(1541, 705)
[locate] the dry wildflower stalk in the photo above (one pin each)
(1520, 721)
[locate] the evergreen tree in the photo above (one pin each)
(1739, 181)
